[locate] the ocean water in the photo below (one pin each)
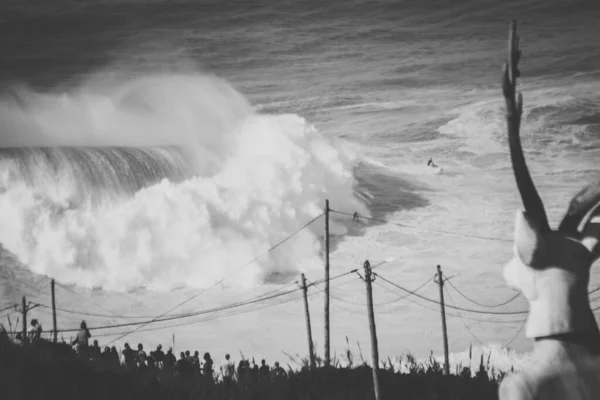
(151, 149)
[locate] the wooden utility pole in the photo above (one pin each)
(308, 328)
(24, 312)
(53, 311)
(25, 308)
(374, 350)
(440, 281)
(327, 348)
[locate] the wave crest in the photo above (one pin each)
(246, 181)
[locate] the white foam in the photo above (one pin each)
(258, 179)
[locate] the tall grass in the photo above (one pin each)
(51, 371)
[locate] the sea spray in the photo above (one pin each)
(214, 185)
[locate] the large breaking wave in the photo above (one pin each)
(161, 181)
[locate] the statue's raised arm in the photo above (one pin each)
(552, 270)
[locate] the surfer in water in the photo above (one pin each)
(431, 164)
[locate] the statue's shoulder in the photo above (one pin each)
(516, 386)
(570, 380)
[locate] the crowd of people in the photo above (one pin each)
(187, 366)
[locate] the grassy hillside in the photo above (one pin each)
(48, 371)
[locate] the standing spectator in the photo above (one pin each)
(19, 339)
(140, 356)
(81, 340)
(4, 338)
(106, 356)
(95, 351)
(263, 371)
(254, 370)
(277, 372)
(242, 371)
(207, 367)
(227, 370)
(150, 361)
(115, 357)
(35, 331)
(169, 360)
(196, 362)
(188, 357)
(159, 356)
(128, 356)
(183, 366)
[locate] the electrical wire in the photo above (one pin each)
(448, 313)
(227, 276)
(454, 307)
(463, 321)
(382, 303)
(85, 313)
(422, 229)
(216, 317)
(8, 308)
(85, 298)
(516, 335)
(211, 318)
(254, 300)
(171, 318)
(480, 304)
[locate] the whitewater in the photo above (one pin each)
(148, 184)
(174, 144)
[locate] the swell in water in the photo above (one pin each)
(162, 180)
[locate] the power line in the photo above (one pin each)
(505, 302)
(257, 299)
(89, 314)
(480, 304)
(217, 309)
(183, 314)
(463, 321)
(68, 289)
(202, 312)
(454, 307)
(345, 273)
(309, 284)
(227, 276)
(10, 312)
(223, 308)
(211, 318)
(9, 307)
(492, 321)
(516, 335)
(356, 215)
(226, 315)
(385, 302)
(85, 313)
(254, 300)
(321, 293)
(35, 288)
